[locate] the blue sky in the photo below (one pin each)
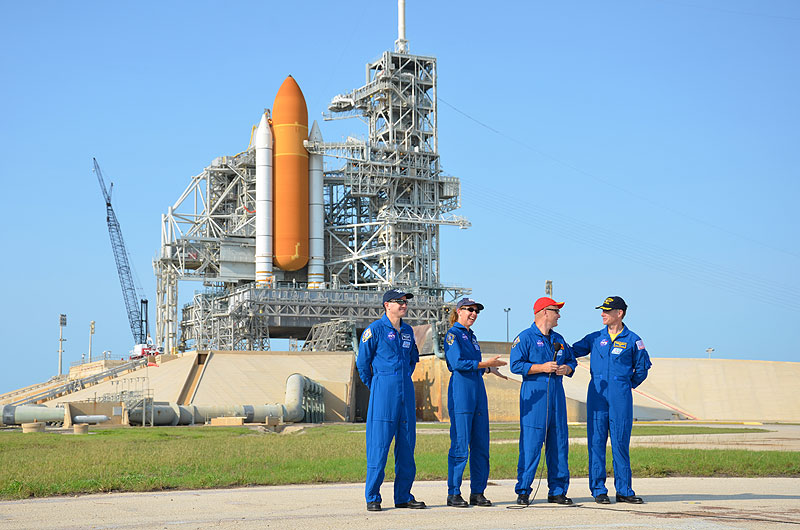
(647, 149)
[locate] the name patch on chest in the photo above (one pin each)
(406, 336)
(616, 351)
(618, 344)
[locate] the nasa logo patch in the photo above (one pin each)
(392, 335)
(604, 342)
(540, 343)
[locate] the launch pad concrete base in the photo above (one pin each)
(671, 503)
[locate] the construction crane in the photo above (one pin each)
(137, 313)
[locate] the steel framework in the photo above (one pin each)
(384, 200)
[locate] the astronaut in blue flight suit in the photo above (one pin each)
(387, 355)
(467, 406)
(619, 363)
(542, 356)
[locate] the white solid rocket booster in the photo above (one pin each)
(264, 275)
(316, 214)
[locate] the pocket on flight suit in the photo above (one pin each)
(533, 407)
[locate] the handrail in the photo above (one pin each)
(80, 384)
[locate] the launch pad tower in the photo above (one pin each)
(384, 200)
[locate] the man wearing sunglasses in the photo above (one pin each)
(619, 363)
(387, 355)
(542, 356)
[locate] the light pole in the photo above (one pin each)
(708, 351)
(91, 332)
(507, 310)
(62, 322)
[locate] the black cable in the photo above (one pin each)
(690, 514)
(546, 428)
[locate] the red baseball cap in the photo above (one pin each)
(543, 302)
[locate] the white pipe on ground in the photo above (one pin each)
(173, 414)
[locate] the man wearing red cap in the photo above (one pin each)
(619, 363)
(542, 356)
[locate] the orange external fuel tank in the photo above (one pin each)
(290, 177)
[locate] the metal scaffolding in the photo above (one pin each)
(384, 202)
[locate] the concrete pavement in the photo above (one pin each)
(671, 503)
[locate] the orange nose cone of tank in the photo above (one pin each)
(290, 177)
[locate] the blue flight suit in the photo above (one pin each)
(617, 366)
(542, 410)
(385, 362)
(469, 411)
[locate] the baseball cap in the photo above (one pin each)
(543, 302)
(613, 302)
(396, 294)
(468, 301)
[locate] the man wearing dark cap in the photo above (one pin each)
(542, 356)
(619, 363)
(387, 355)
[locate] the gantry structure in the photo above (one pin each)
(385, 200)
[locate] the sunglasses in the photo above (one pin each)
(399, 301)
(554, 310)
(472, 310)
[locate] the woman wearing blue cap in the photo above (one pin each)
(467, 405)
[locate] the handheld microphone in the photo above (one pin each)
(557, 347)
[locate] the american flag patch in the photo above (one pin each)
(640, 344)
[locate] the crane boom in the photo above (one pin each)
(136, 317)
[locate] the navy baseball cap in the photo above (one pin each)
(613, 302)
(396, 294)
(468, 301)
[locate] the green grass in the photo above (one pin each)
(511, 431)
(137, 459)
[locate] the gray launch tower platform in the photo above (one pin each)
(384, 201)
